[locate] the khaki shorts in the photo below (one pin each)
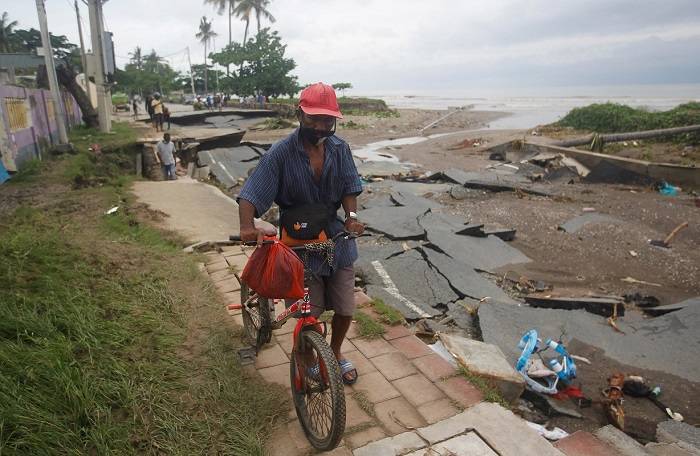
(335, 292)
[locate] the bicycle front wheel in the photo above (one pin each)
(256, 318)
(317, 388)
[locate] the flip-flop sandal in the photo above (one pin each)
(346, 368)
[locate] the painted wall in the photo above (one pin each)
(34, 134)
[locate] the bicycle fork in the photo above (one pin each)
(306, 322)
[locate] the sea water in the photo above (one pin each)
(528, 108)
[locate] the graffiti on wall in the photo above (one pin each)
(28, 123)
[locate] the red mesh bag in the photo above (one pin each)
(275, 271)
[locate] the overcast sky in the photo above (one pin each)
(435, 46)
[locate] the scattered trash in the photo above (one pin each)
(588, 209)
(112, 210)
(640, 282)
(636, 387)
(439, 348)
(95, 149)
(477, 142)
(666, 243)
(634, 254)
(643, 301)
(562, 364)
(667, 189)
(583, 359)
(548, 405)
(613, 400)
(554, 434)
(612, 320)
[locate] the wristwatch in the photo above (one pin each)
(351, 215)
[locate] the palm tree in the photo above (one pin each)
(243, 11)
(221, 6)
(205, 35)
(6, 32)
(246, 8)
(137, 57)
(260, 8)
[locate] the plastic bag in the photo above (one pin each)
(275, 271)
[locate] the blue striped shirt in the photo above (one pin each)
(284, 175)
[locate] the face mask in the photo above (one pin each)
(315, 137)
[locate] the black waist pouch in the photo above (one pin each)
(306, 223)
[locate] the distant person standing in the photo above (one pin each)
(135, 107)
(149, 108)
(210, 102)
(165, 151)
(166, 116)
(217, 101)
(157, 105)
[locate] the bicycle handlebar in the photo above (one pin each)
(344, 234)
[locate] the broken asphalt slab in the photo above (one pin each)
(663, 343)
(487, 253)
(416, 280)
(229, 165)
(408, 199)
(399, 222)
(576, 223)
(486, 180)
(606, 307)
(464, 279)
(663, 310)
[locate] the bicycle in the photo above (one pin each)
(317, 389)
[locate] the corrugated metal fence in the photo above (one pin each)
(28, 123)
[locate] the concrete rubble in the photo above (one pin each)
(488, 361)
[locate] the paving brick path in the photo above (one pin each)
(407, 398)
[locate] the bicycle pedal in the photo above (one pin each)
(247, 355)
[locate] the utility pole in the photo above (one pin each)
(83, 57)
(189, 61)
(51, 73)
(103, 107)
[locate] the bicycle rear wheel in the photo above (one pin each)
(256, 318)
(319, 397)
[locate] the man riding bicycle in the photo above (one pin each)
(310, 174)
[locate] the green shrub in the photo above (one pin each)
(617, 118)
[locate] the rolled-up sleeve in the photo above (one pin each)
(352, 185)
(261, 187)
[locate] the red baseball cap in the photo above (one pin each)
(319, 99)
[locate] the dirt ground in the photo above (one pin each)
(361, 130)
(592, 261)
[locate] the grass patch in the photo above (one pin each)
(110, 341)
(487, 388)
(367, 326)
(277, 123)
(350, 125)
(388, 314)
(28, 173)
(617, 118)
